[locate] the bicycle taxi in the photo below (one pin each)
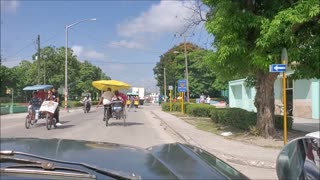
(117, 106)
(136, 100)
(45, 111)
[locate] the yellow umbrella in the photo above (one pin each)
(113, 84)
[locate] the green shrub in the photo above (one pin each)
(279, 122)
(165, 106)
(192, 100)
(243, 119)
(176, 106)
(199, 110)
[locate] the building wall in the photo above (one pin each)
(302, 104)
(241, 96)
(306, 97)
(315, 100)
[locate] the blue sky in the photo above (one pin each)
(125, 41)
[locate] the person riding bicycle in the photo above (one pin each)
(106, 99)
(35, 104)
(52, 97)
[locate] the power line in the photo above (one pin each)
(28, 45)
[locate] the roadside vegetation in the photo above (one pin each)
(249, 36)
(238, 121)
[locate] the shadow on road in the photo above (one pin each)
(127, 124)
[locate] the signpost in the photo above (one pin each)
(284, 58)
(170, 94)
(278, 68)
(182, 88)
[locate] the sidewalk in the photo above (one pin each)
(225, 149)
(306, 125)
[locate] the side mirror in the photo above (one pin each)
(299, 159)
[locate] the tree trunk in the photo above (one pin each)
(264, 102)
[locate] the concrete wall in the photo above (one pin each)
(315, 100)
(241, 96)
(306, 97)
(302, 105)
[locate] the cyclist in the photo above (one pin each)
(52, 97)
(106, 99)
(34, 104)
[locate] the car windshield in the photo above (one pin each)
(159, 89)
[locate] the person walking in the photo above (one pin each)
(131, 103)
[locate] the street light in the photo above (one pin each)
(66, 61)
(186, 64)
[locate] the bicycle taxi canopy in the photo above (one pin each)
(37, 87)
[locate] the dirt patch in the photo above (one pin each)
(206, 124)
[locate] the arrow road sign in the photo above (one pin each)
(277, 68)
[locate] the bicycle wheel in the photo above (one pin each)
(28, 121)
(48, 121)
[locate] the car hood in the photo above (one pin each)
(168, 161)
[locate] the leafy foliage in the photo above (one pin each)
(52, 65)
(250, 35)
(201, 77)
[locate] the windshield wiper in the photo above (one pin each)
(5, 157)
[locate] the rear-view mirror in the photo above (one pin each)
(299, 159)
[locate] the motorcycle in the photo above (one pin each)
(86, 106)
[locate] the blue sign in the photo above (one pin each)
(182, 85)
(277, 68)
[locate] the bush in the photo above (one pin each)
(243, 119)
(199, 110)
(279, 122)
(176, 106)
(234, 117)
(192, 100)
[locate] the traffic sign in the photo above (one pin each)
(277, 68)
(170, 87)
(182, 85)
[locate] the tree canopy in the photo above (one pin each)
(250, 35)
(201, 77)
(52, 67)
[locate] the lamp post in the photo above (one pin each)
(66, 61)
(186, 67)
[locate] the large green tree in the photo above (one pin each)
(201, 77)
(52, 71)
(250, 35)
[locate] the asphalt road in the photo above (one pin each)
(142, 128)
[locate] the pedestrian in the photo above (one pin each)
(208, 99)
(131, 103)
(34, 105)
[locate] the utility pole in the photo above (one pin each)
(186, 63)
(165, 84)
(38, 59)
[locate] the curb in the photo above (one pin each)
(222, 155)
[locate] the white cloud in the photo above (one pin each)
(9, 5)
(167, 16)
(83, 53)
(126, 44)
